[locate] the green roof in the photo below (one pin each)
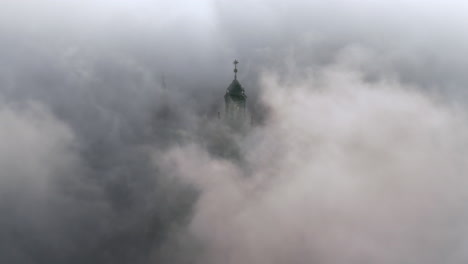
(235, 90)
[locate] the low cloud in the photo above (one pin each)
(112, 152)
(343, 171)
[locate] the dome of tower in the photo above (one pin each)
(235, 89)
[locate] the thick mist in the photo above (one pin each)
(112, 152)
(346, 172)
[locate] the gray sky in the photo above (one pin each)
(109, 145)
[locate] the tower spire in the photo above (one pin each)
(235, 69)
(235, 99)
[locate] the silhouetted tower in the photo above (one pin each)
(235, 99)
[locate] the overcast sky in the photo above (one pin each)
(111, 151)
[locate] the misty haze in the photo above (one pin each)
(228, 132)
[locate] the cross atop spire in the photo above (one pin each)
(235, 69)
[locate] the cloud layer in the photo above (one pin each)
(111, 151)
(342, 172)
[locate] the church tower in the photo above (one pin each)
(235, 99)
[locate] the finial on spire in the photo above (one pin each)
(235, 69)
